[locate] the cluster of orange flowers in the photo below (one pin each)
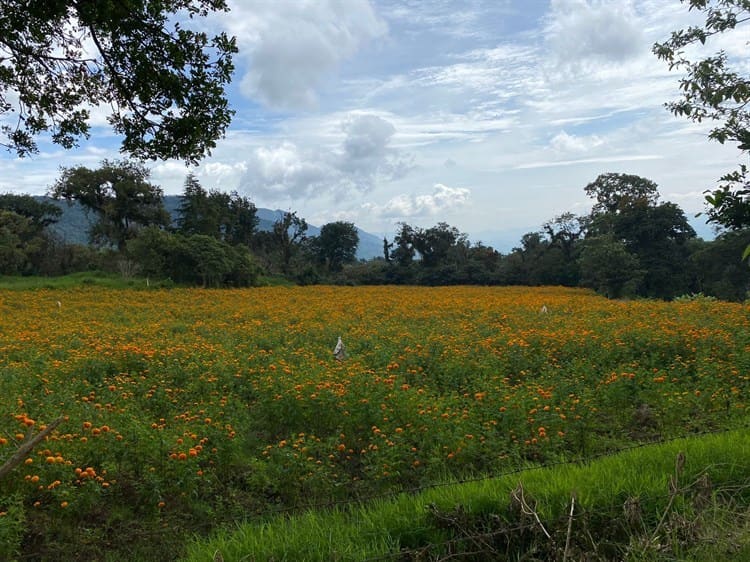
(441, 379)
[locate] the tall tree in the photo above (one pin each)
(196, 214)
(337, 244)
(226, 216)
(628, 212)
(713, 89)
(241, 220)
(288, 233)
(615, 193)
(120, 195)
(434, 243)
(164, 81)
(404, 252)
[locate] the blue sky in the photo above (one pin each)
(490, 115)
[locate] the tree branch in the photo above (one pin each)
(27, 447)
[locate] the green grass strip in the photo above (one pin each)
(385, 526)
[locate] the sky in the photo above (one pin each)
(491, 116)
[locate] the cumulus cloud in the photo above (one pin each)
(442, 199)
(284, 170)
(364, 157)
(580, 31)
(563, 142)
(170, 172)
(292, 47)
(221, 174)
(367, 153)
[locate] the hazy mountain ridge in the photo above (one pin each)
(75, 222)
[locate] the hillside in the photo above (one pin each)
(75, 222)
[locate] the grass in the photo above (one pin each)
(80, 279)
(424, 522)
(109, 280)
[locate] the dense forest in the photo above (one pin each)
(631, 244)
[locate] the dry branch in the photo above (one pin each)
(27, 446)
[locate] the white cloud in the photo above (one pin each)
(170, 173)
(363, 158)
(578, 31)
(602, 159)
(367, 153)
(292, 47)
(222, 175)
(443, 199)
(563, 142)
(284, 170)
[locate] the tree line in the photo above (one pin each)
(214, 240)
(631, 244)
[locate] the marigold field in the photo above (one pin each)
(189, 409)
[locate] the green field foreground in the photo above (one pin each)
(187, 412)
(627, 506)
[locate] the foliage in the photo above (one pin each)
(120, 195)
(434, 244)
(543, 261)
(628, 212)
(719, 269)
(164, 81)
(616, 193)
(608, 267)
(151, 251)
(565, 231)
(287, 236)
(404, 251)
(204, 256)
(191, 409)
(25, 245)
(41, 214)
(227, 217)
(336, 244)
(18, 238)
(194, 259)
(712, 89)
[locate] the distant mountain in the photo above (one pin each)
(75, 222)
(370, 246)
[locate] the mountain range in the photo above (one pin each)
(75, 222)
